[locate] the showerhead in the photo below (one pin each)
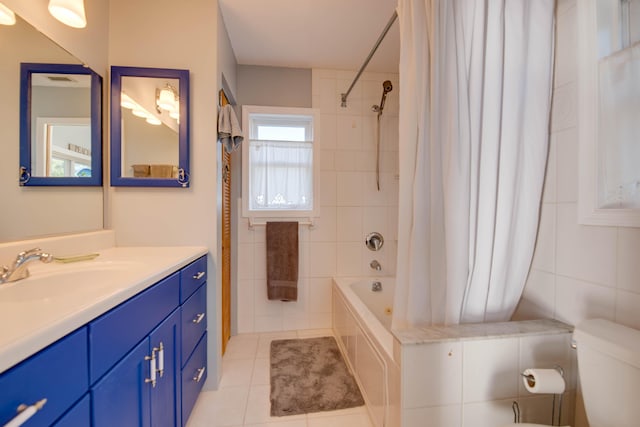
(386, 88)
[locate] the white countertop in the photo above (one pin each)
(59, 298)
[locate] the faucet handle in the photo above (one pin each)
(29, 252)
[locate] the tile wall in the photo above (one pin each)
(351, 207)
(578, 271)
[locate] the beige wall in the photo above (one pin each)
(274, 86)
(174, 216)
(88, 44)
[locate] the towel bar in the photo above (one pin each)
(257, 223)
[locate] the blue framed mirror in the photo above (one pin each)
(149, 127)
(60, 125)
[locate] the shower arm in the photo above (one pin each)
(343, 97)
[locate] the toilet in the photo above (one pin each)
(609, 370)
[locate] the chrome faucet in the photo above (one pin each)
(375, 265)
(18, 270)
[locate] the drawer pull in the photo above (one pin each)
(25, 412)
(152, 368)
(160, 351)
(199, 374)
(198, 318)
(199, 275)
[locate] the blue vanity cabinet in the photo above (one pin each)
(59, 374)
(127, 395)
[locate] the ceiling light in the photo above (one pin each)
(167, 99)
(69, 12)
(7, 17)
(152, 120)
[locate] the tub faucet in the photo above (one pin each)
(375, 265)
(18, 270)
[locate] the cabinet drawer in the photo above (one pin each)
(79, 415)
(194, 375)
(194, 321)
(59, 373)
(113, 334)
(191, 277)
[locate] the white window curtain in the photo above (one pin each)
(474, 126)
(281, 175)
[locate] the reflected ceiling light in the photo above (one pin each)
(7, 17)
(167, 98)
(126, 102)
(69, 12)
(139, 112)
(152, 120)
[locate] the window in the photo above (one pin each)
(280, 162)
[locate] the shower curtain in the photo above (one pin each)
(475, 96)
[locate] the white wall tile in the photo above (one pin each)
(566, 43)
(327, 162)
(263, 306)
(349, 227)
(349, 188)
(549, 190)
(327, 93)
(585, 252)
(544, 256)
(245, 308)
(564, 109)
(245, 261)
(349, 133)
(627, 304)
(349, 259)
(437, 416)
(320, 295)
(322, 259)
(328, 189)
(576, 301)
(628, 260)
(268, 323)
(328, 132)
(260, 261)
(490, 369)
(538, 298)
(567, 158)
(325, 226)
(487, 414)
(432, 375)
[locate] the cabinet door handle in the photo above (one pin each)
(199, 374)
(199, 275)
(198, 318)
(160, 351)
(25, 412)
(152, 368)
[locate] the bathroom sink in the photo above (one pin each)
(51, 283)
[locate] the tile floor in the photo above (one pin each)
(242, 398)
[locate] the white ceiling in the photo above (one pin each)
(335, 34)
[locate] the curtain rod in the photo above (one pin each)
(366, 61)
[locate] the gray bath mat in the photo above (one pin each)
(309, 375)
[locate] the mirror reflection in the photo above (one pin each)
(149, 127)
(35, 211)
(60, 125)
(150, 118)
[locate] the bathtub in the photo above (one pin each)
(457, 376)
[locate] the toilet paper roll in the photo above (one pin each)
(547, 381)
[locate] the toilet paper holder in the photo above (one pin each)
(531, 381)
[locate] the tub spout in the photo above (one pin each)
(375, 265)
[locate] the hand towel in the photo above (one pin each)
(282, 261)
(229, 131)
